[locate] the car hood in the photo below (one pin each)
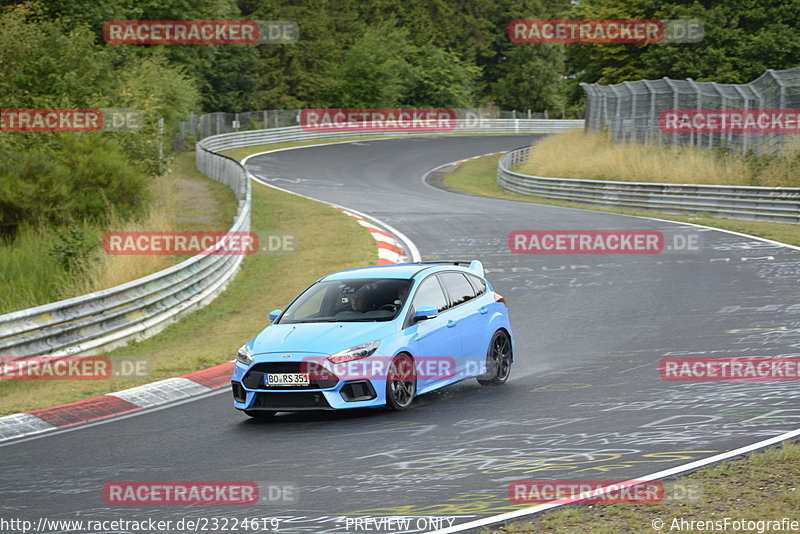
(321, 338)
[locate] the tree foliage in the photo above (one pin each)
(743, 38)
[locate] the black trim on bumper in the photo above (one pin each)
(239, 394)
(360, 390)
(283, 401)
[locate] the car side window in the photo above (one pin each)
(478, 284)
(459, 289)
(429, 293)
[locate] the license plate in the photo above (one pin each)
(286, 379)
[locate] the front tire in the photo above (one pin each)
(401, 383)
(498, 360)
(260, 414)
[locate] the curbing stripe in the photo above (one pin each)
(162, 392)
(390, 251)
(22, 424)
(388, 246)
(84, 411)
(213, 377)
(388, 255)
(113, 404)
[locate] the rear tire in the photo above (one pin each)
(498, 360)
(401, 383)
(260, 414)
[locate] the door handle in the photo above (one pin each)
(451, 323)
(483, 310)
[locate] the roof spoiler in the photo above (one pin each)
(473, 265)
(476, 266)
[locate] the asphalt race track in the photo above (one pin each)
(584, 402)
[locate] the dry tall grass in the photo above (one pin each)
(576, 154)
(112, 270)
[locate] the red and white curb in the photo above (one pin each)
(112, 404)
(390, 250)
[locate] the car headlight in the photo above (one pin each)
(244, 355)
(355, 353)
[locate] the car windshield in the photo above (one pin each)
(347, 301)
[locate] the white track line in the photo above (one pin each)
(681, 469)
(407, 243)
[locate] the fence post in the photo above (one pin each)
(722, 100)
(781, 106)
(674, 106)
(652, 121)
(745, 107)
(695, 141)
(760, 99)
(617, 131)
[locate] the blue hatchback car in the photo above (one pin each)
(375, 337)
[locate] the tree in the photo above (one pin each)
(374, 71)
(440, 79)
(743, 38)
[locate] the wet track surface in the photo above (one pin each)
(584, 401)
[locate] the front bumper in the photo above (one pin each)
(326, 391)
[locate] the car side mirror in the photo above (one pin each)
(425, 312)
(274, 314)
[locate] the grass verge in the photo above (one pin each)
(603, 159)
(762, 486)
(326, 241)
(183, 200)
(478, 177)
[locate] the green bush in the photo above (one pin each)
(74, 248)
(28, 276)
(87, 179)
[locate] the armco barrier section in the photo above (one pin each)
(227, 141)
(138, 309)
(99, 321)
(776, 204)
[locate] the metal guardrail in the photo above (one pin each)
(208, 124)
(99, 321)
(135, 310)
(462, 127)
(777, 204)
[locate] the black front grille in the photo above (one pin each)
(319, 377)
(358, 391)
(239, 394)
(304, 400)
